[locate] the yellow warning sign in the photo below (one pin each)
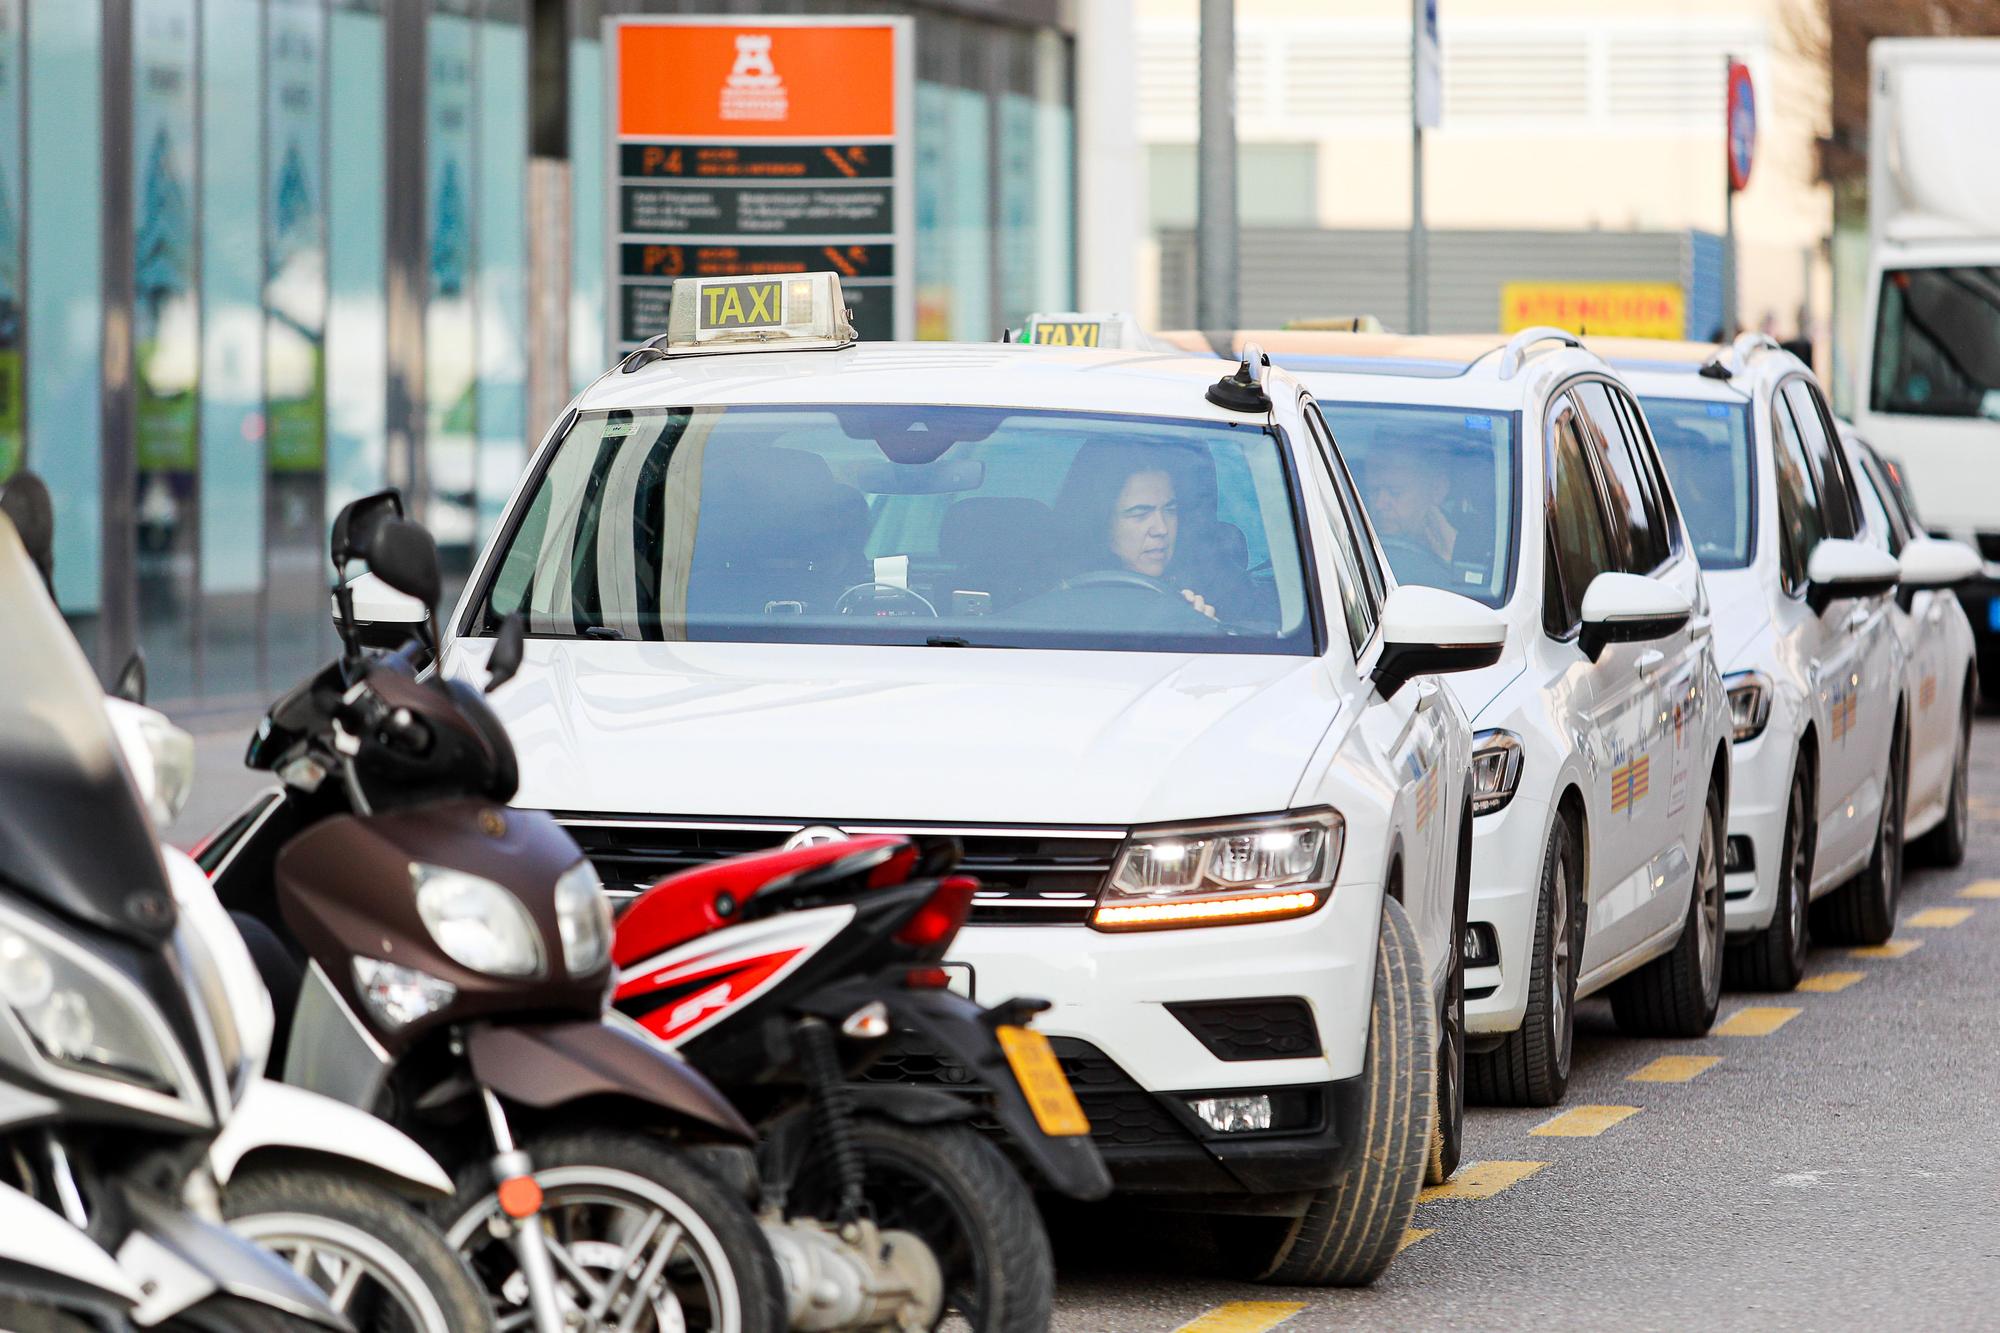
(1606, 309)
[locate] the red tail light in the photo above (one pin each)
(940, 917)
(927, 978)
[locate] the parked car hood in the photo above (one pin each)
(827, 733)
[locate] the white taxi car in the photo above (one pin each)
(1118, 625)
(1938, 648)
(1809, 650)
(1519, 473)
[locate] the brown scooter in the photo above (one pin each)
(451, 968)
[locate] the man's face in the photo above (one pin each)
(1144, 523)
(1401, 495)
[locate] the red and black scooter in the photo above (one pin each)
(784, 975)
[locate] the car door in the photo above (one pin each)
(1933, 694)
(1650, 782)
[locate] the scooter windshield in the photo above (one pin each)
(75, 835)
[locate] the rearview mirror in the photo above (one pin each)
(1428, 631)
(25, 501)
(131, 683)
(383, 617)
(404, 555)
(1629, 608)
(354, 526)
(1839, 567)
(1930, 562)
(507, 650)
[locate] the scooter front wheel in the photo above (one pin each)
(641, 1238)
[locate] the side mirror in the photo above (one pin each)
(159, 755)
(131, 683)
(383, 617)
(354, 526)
(1629, 608)
(507, 649)
(404, 555)
(25, 500)
(1928, 562)
(1839, 567)
(1428, 631)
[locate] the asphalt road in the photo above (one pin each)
(1836, 1170)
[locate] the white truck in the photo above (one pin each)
(1928, 390)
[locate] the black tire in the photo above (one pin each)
(1945, 845)
(1863, 910)
(1350, 1231)
(598, 1181)
(1530, 1067)
(416, 1283)
(1677, 994)
(1774, 959)
(1448, 1135)
(965, 1199)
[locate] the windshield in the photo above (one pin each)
(1937, 342)
(1439, 487)
(1706, 447)
(919, 525)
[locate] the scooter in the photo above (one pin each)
(783, 976)
(455, 981)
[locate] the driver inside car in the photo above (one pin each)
(1405, 492)
(1124, 514)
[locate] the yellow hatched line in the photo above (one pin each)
(1674, 1069)
(1758, 1020)
(1583, 1122)
(1481, 1180)
(1985, 888)
(1243, 1317)
(1893, 949)
(1939, 918)
(1827, 982)
(1412, 1236)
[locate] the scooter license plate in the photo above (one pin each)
(1042, 1082)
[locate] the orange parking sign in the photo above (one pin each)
(785, 81)
(1607, 309)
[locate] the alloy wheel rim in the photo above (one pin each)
(1708, 948)
(1892, 831)
(1796, 871)
(1560, 964)
(1961, 785)
(356, 1269)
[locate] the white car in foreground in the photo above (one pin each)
(1519, 473)
(1119, 626)
(1804, 629)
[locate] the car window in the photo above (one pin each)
(1357, 599)
(1937, 342)
(1646, 458)
(1639, 532)
(913, 525)
(1579, 542)
(1800, 525)
(1895, 490)
(1706, 449)
(1877, 526)
(1366, 538)
(1836, 491)
(1438, 484)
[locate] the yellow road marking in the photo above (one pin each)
(1893, 949)
(1412, 1236)
(1481, 1180)
(1939, 918)
(1985, 888)
(1757, 1020)
(1674, 1069)
(1243, 1317)
(1828, 982)
(1583, 1122)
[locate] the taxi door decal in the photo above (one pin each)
(1630, 781)
(1927, 692)
(1682, 771)
(1846, 699)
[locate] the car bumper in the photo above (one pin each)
(1759, 788)
(1506, 888)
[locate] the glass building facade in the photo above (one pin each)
(258, 257)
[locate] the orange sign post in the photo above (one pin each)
(759, 147)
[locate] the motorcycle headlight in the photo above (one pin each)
(1496, 770)
(1222, 873)
(398, 995)
(1749, 704)
(477, 923)
(583, 919)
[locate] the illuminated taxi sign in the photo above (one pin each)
(781, 312)
(1078, 329)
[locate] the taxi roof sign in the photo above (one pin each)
(771, 312)
(1083, 329)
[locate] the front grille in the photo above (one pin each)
(1027, 876)
(1272, 1029)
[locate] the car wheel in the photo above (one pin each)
(1863, 910)
(1774, 959)
(1351, 1230)
(1945, 844)
(1448, 1138)
(1530, 1067)
(1677, 994)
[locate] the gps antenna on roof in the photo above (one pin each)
(1244, 390)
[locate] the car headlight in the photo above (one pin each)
(1222, 873)
(81, 1019)
(1749, 704)
(1496, 770)
(477, 923)
(583, 919)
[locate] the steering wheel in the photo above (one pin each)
(1414, 563)
(847, 603)
(1122, 578)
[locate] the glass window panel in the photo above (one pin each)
(587, 355)
(1055, 191)
(1706, 449)
(357, 362)
(12, 438)
(1639, 525)
(451, 418)
(1576, 521)
(954, 267)
(503, 261)
(1800, 524)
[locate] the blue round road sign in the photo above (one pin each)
(1742, 125)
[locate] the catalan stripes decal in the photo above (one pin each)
(1844, 706)
(1927, 692)
(1427, 795)
(1630, 782)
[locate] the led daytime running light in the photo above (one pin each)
(1208, 912)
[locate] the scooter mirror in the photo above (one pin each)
(131, 685)
(25, 500)
(354, 526)
(405, 556)
(507, 648)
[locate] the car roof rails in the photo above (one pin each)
(1518, 347)
(1730, 361)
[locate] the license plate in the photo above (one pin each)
(1043, 1082)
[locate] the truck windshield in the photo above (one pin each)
(914, 525)
(1706, 447)
(1937, 342)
